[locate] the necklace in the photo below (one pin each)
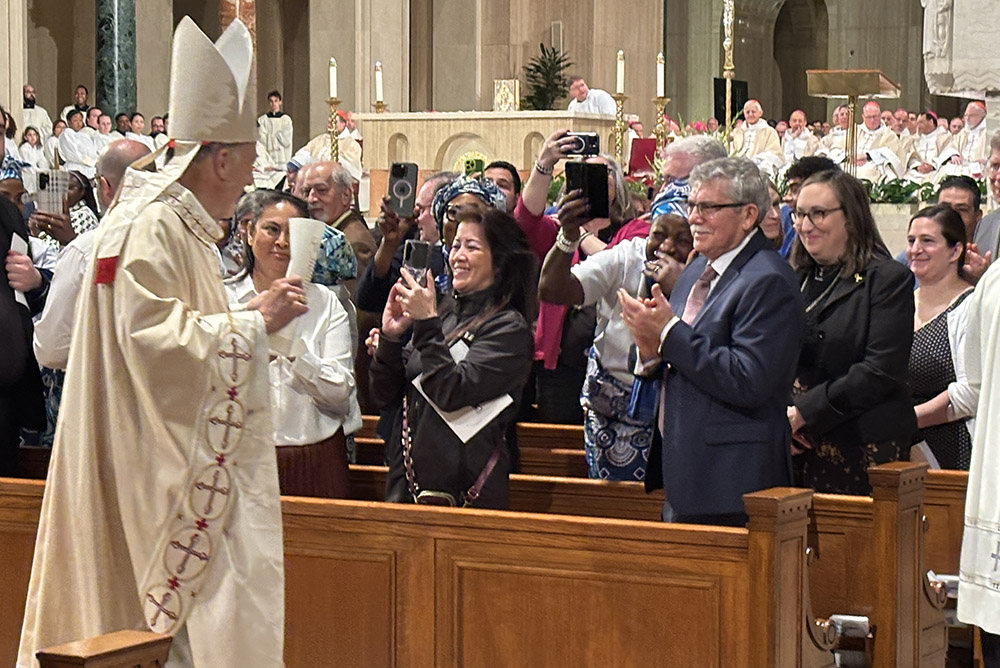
(826, 292)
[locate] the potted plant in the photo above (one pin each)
(546, 78)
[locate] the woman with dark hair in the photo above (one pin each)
(771, 225)
(851, 404)
(944, 403)
(313, 393)
(468, 356)
(80, 205)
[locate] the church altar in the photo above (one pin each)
(436, 141)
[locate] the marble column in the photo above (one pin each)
(115, 56)
(13, 41)
(244, 10)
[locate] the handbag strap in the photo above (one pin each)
(472, 494)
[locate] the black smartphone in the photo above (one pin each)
(474, 166)
(403, 188)
(416, 259)
(586, 143)
(592, 179)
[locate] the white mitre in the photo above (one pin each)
(212, 94)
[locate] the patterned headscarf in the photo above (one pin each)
(11, 168)
(484, 190)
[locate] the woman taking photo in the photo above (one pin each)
(313, 394)
(851, 405)
(472, 351)
(79, 205)
(944, 403)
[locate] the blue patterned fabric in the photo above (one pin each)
(336, 261)
(11, 168)
(672, 199)
(484, 190)
(617, 446)
(52, 383)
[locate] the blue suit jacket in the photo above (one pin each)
(728, 379)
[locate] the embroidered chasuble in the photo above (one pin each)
(759, 142)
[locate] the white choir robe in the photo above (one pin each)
(881, 148)
(759, 142)
(974, 148)
(979, 583)
(275, 135)
(163, 447)
(833, 145)
(51, 151)
(39, 119)
(805, 144)
(145, 139)
(78, 152)
(35, 157)
(934, 149)
(102, 142)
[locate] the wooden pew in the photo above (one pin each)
(372, 584)
(120, 649)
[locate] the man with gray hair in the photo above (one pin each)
(725, 346)
(679, 158)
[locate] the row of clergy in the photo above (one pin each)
(925, 157)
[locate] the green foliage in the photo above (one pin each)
(546, 78)
(555, 188)
(898, 191)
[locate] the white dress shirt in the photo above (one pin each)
(313, 391)
(54, 330)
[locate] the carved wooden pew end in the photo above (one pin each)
(121, 649)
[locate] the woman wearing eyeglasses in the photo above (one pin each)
(851, 404)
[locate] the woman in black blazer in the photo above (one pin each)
(851, 403)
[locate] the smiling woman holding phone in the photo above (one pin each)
(460, 377)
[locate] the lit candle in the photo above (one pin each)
(620, 80)
(333, 77)
(378, 81)
(659, 75)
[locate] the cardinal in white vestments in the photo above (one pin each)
(972, 144)
(758, 141)
(979, 576)
(931, 148)
(161, 508)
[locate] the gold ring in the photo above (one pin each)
(301, 299)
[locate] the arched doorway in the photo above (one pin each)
(801, 33)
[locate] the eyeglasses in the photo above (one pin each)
(816, 216)
(706, 209)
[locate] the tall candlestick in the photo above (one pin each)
(660, 86)
(620, 79)
(333, 77)
(378, 81)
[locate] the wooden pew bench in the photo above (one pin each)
(372, 584)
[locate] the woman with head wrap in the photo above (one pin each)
(469, 352)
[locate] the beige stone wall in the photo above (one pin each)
(154, 27)
(13, 13)
(60, 51)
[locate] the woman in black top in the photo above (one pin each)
(851, 404)
(472, 351)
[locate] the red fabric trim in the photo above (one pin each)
(105, 271)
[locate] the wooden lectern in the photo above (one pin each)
(121, 649)
(851, 84)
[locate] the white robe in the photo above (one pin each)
(78, 151)
(51, 150)
(881, 147)
(798, 147)
(145, 139)
(974, 147)
(275, 135)
(39, 119)
(759, 142)
(979, 569)
(934, 149)
(163, 488)
(350, 152)
(35, 157)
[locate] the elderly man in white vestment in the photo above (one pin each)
(879, 151)
(758, 141)
(971, 143)
(833, 145)
(161, 508)
(979, 583)
(930, 149)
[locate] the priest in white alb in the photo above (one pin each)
(76, 147)
(931, 149)
(972, 143)
(979, 567)
(878, 157)
(161, 508)
(834, 144)
(798, 141)
(758, 141)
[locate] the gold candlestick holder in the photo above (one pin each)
(620, 126)
(331, 129)
(728, 67)
(380, 107)
(660, 129)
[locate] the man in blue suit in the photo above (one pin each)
(726, 344)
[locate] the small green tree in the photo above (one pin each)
(546, 77)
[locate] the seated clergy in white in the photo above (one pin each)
(758, 141)
(972, 143)
(931, 149)
(798, 141)
(833, 144)
(162, 508)
(878, 157)
(76, 147)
